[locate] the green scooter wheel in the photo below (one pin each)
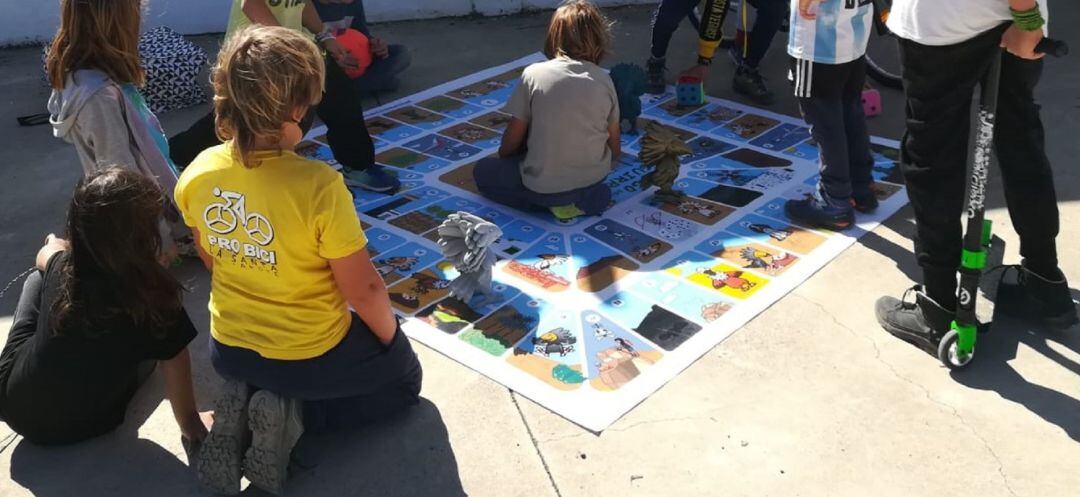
(949, 355)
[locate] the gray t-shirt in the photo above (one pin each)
(569, 105)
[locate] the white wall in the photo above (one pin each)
(27, 21)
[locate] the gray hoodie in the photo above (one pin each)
(93, 113)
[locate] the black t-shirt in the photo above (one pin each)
(69, 386)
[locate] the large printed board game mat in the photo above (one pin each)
(593, 315)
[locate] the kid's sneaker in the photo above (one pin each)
(1039, 299)
(218, 465)
(922, 322)
(817, 212)
(864, 201)
(374, 178)
(276, 424)
(751, 84)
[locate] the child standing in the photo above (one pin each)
(287, 256)
(89, 320)
(828, 46)
(564, 136)
(94, 69)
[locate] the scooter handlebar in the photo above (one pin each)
(1050, 46)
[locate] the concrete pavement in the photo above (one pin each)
(811, 398)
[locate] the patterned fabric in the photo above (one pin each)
(172, 65)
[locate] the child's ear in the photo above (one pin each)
(298, 113)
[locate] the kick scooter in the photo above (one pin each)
(957, 347)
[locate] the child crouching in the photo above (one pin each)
(564, 136)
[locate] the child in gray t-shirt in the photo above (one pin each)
(564, 136)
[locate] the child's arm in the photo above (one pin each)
(181, 395)
(513, 138)
(365, 291)
(53, 244)
(341, 56)
(203, 256)
(259, 13)
(614, 142)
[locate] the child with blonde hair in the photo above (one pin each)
(287, 255)
(563, 139)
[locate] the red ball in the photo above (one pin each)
(357, 44)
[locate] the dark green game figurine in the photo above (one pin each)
(661, 149)
(629, 82)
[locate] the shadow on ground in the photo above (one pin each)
(408, 456)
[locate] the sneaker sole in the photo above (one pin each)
(266, 463)
(220, 455)
(833, 226)
(915, 339)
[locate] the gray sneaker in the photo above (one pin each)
(276, 424)
(218, 464)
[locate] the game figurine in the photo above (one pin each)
(660, 149)
(629, 82)
(464, 240)
(689, 91)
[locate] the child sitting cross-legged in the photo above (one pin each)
(288, 257)
(564, 136)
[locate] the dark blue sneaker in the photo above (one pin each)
(816, 212)
(864, 201)
(374, 178)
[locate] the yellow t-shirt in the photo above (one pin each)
(289, 14)
(271, 230)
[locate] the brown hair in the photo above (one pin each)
(578, 30)
(112, 271)
(263, 74)
(97, 34)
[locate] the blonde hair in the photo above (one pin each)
(263, 74)
(97, 34)
(578, 30)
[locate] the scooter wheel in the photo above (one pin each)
(949, 355)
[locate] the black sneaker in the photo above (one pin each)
(864, 201)
(922, 322)
(655, 83)
(816, 212)
(1037, 298)
(751, 84)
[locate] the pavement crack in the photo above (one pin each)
(536, 445)
(651, 422)
(926, 392)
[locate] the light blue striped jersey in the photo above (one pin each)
(838, 35)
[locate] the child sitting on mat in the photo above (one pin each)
(287, 258)
(563, 139)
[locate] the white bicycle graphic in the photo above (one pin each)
(223, 218)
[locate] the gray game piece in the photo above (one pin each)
(464, 240)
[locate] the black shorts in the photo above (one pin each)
(817, 80)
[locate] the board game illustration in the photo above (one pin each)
(589, 317)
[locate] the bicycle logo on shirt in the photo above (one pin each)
(223, 218)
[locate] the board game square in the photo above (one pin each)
(442, 147)
(450, 107)
(410, 159)
(420, 118)
(390, 130)
(746, 128)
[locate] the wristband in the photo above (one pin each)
(704, 61)
(326, 34)
(1028, 20)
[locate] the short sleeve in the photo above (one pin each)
(613, 114)
(336, 224)
(180, 197)
(519, 102)
(176, 337)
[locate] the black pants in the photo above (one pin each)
(830, 98)
(499, 179)
(938, 82)
(341, 109)
(670, 13)
(356, 382)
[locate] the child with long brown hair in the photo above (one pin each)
(563, 139)
(288, 257)
(98, 307)
(94, 69)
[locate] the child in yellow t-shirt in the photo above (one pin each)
(287, 255)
